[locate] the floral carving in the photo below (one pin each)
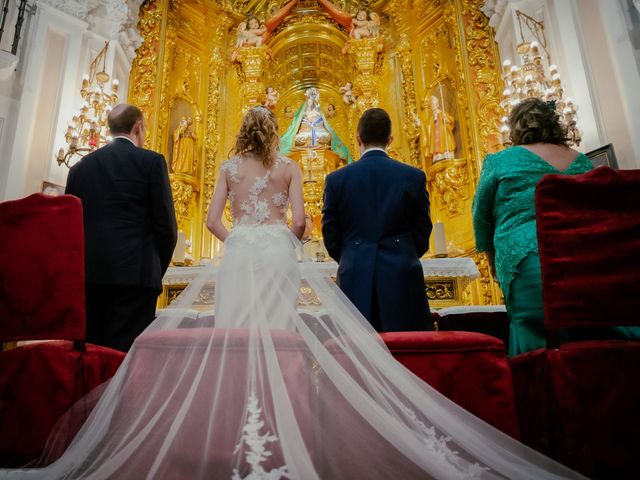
(451, 180)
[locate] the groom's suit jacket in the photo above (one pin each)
(129, 219)
(376, 225)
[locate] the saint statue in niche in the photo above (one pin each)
(438, 140)
(184, 147)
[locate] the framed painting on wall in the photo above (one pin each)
(604, 156)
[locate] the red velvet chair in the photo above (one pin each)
(488, 319)
(42, 298)
(469, 368)
(579, 401)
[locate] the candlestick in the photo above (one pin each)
(439, 240)
(180, 250)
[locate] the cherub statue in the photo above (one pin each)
(365, 25)
(271, 98)
(331, 111)
(288, 112)
(250, 33)
(241, 34)
(347, 93)
(374, 24)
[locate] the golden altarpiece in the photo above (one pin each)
(432, 64)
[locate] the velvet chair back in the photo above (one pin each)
(589, 243)
(42, 269)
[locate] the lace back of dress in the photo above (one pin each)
(258, 195)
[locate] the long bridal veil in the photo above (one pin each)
(263, 386)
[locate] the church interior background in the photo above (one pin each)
(194, 66)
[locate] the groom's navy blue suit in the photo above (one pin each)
(375, 223)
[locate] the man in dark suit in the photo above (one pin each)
(129, 227)
(376, 225)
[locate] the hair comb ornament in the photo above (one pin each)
(261, 108)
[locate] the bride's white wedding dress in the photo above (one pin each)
(261, 389)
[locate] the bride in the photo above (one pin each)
(261, 389)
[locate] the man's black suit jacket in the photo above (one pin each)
(129, 220)
(376, 224)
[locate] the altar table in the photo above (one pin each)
(444, 278)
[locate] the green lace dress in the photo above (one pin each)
(504, 222)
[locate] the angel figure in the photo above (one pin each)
(365, 25)
(241, 34)
(347, 93)
(288, 112)
(374, 24)
(251, 34)
(271, 98)
(331, 111)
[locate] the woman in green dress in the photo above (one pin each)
(504, 215)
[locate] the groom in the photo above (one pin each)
(376, 225)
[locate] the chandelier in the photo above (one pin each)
(530, 80)
(88, 129)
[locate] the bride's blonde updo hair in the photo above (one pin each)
(259, 134)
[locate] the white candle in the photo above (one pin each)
(179, 251)
(439, 240)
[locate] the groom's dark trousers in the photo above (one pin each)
(376, 225)
(130, 234)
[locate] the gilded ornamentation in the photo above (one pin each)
(184, 189)
(450, 178)
(485, 74)
(251, 65)
(316, 18)
(367, 57)
(145, 66)
(411, 129)
(485, 281)
(169, 52)
(440, 290)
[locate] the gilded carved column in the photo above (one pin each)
(483, 65)
(481, 61)
(251, 65)
(367, 57)
(145, 68)
(410, 128)
(212, 140)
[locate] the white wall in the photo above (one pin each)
(38, 100)
(591, 44)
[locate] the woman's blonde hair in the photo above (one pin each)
(259, 134)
